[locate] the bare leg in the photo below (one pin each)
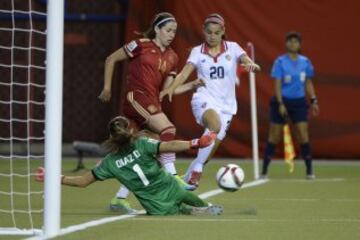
(212, 123)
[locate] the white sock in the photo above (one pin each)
(170, 168)
(123, 192)
(168, 162)
(189, 170)
(198, 163)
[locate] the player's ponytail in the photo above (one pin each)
(159, 21)
(121, 136)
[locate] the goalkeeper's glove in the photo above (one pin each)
(204, 141)
(40, 174)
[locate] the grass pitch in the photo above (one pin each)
(287, 207)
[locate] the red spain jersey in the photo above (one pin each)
(149, 67)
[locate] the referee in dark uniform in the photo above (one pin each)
(293, 75)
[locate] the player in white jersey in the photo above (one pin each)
(214, 104)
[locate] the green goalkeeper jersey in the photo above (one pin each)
(138, 169)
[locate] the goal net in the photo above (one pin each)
(23, 63)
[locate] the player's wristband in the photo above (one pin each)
(195, 143)
(204, 141)
(314, 100)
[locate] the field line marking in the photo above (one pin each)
(219, 191)
(94, 223)
(310, 221)
(308, 181)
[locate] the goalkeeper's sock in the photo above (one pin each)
(306, 154)
(123, 192)
(269, 152)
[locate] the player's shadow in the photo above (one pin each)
(248, 211)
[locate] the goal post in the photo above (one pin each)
(53, 116)
(31, 69)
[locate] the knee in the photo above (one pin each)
(303, 135)
(212, 121)
(274, 139)
(168, 134)
(215, 127)
(274, 135)
(303, 138)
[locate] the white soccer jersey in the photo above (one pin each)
(219, 74)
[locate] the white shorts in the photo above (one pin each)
(200, 104)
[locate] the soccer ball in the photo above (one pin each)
(230, 177)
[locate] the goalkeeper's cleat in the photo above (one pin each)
(183, 184)
(122, 206)
(195, 178)
(213, 210)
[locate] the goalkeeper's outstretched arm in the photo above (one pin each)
(171, 146)
(75, 181)
(79, 181)
(181, 146)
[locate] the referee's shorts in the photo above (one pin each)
(297, 109)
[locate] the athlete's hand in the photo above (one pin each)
(315, 109)
(105, 95)
(198, 83)
(251, 67)
(39, 174)
(283, 112)
(204, 141)
(168, 91)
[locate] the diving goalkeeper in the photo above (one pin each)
(132, 161)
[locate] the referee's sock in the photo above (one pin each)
(269, 152)
(306, 154)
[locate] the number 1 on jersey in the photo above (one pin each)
(141, 174)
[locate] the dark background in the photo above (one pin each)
(331, 41)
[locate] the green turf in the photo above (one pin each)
(287, 207)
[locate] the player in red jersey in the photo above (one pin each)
(152, 67)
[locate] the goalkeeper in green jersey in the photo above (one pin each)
(132, 161)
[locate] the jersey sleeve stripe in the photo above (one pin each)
(127, 51)
(173, 74)
(158, 148)
(192, 63)
(243, 54)
(95, 176)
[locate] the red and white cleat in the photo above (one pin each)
(195, 178)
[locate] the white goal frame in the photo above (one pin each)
(53, 116)
(53, 123)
